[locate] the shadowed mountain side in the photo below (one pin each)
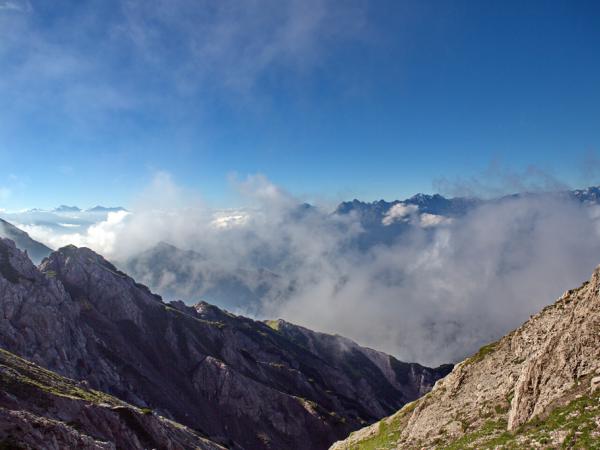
(82, 317)
(40, 409)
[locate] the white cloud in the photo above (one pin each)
(399, 212)
(431, 220)
(227, 219)
(435, 295)
(69, 225)
(101, 236)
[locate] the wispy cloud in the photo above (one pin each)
(15, 5)
(498, 179)
(89, 60)
(234, 44)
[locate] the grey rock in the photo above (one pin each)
(547, 363)
(40, 409)
(240, 382)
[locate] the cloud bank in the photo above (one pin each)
(435, 294)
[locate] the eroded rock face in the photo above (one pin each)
(389, 379)
(547, 363)
(40, 409)
(38, 317)
(240, 382)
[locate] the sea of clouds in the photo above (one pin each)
(440, 290)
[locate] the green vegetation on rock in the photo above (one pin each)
(574, 425)
(25, 377)
(482, 353)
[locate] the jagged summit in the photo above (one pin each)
(83, 256)
(117, 295)
(539, 386)
(15, 265)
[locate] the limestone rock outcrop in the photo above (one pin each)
(535, 387)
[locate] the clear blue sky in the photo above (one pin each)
(342, 98)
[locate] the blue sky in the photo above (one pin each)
(325, 98)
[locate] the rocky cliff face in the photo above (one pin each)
(389, 380)
(536, 387)
(40, 409)
(240, 382)
(35, 250)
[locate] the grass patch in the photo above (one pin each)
(389, 430)
(482, 353)
(23, 377)
(273, 324)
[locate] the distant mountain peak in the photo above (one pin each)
(66, 208)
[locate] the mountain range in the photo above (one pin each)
(238, 382)
(382, 226)
(92, 358)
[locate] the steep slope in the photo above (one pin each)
(402, 380)
(230, 378)
(536, 387)
(36, 250)
(40, 409)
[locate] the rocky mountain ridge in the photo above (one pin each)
(454, 206)
(35, 250)
(40, 409)
(536, 387)
(237, 381)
